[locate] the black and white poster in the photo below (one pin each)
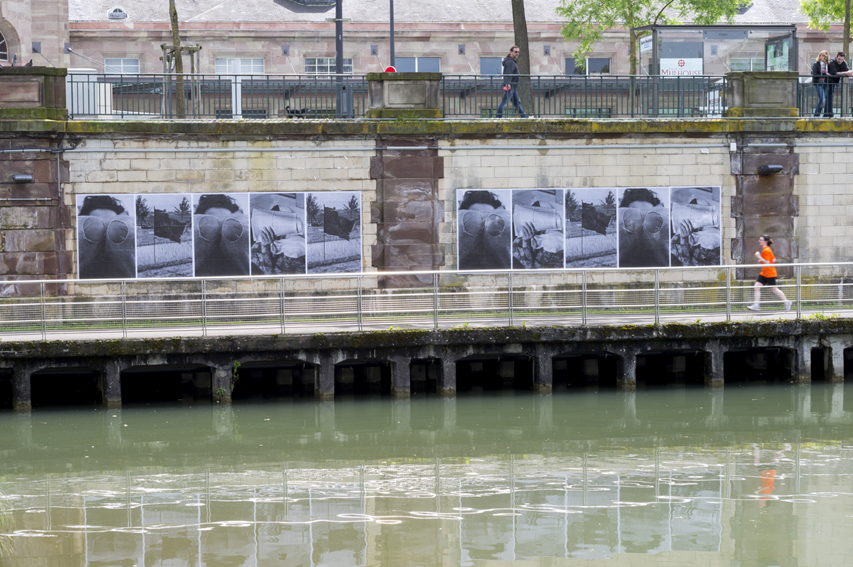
(484, 229)
(591, 228)
(164, 237)
(278, 233)
(537, 226)
(106, 236)
(643, 227)
(334, 232)
(696, 236)
(221, 234)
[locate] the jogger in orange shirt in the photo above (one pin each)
(767, 275)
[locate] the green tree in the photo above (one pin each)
(179, 60)
(352, 207)
(142, 209)
(587, 20)
(183, 208)
(609, 201)
(519, 26)
(822, 13)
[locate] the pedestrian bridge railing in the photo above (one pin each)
(85, 309)
(155, 96)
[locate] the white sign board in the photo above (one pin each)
(681, 67)
(645, 44)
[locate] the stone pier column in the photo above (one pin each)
(626, 369)
(835, 372)
(111, 383)
(714, 362)
(401, 377)
(447, 380)
(543, 369)
(22, 396)
(802, 370)
(324, 379)
(220, 383)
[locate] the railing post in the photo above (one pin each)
(583, 297)
(435, 301)
(509, 297)
(359, 304)
(124, 309)
(281, 301)
(204, 308)
(799, 291)
(43, 313)
(728, 294)
(657, 297)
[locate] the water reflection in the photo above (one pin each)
(742, 476)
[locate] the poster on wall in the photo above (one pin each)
(278, 233)
(537, 228)
(591, 228)
(164, 239)
(221, 234)
(696, 221)
(106, 236)
(334, 232)
(484, 229)
(643, 227)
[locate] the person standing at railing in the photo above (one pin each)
(837, 68)
(510, 82)
(767, 275)
(820, 70)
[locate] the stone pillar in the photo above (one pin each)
(221, 383)
(111, 383)
(835, 370)
(22, 397)
(447, 380)
(714, 363)
(404, 95)
(543, 369)
(401, 377)
(324, 383)
(802, 371)
(626, 370)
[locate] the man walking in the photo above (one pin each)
(511, 75)
(838, 68)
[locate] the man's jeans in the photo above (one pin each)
(511, 95)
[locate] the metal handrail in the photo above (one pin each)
(355, 302)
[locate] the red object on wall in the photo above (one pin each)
(390, 69)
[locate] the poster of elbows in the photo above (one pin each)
(218, 234)
(630, 227)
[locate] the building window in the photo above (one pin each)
(4, 50)
(418, 64)
(240, 66)
(325, 65)
(491, 65)
(121, 65)
(594, 66)
(747, 63)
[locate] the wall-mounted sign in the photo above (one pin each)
(645, 44)
(681, 67)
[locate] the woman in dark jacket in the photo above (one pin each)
(820, 70)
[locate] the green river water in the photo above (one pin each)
(741, 476)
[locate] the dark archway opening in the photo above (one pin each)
(425, 375)
(848, 364)
(671, 369)
(159, 384)
(479, 374)
(363, 378)
(759, 365)
(78, 386)
(598, 370)
(271, 380)
(819, 363)
(6, 392)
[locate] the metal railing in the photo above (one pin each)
(154, 96)
(35, 310)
